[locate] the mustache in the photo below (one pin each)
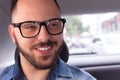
(47, 43)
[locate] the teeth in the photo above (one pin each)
(44, 49)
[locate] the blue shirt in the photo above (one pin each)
(61, 71)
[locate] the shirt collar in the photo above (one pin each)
(61, 69)
(18, 74)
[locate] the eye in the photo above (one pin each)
(30, 26)
(54, 24)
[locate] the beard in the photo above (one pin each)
(40, 65)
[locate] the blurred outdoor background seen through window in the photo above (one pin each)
(93, 33)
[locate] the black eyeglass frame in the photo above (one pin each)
(44, 23)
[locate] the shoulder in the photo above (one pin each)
(73, 72)
(80, 73)
(6, 73)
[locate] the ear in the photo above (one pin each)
(11, 32)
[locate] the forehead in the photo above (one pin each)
(35, 10)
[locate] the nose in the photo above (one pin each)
(43, 34)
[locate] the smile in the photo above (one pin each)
(44, 48)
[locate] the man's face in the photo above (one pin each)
(42, 50)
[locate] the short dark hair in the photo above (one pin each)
(57, 4)
(13, 5)
(14, 2)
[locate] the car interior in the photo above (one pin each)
(101, 66)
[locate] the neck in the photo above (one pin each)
(31, 73)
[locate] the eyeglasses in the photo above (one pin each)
(29, 29)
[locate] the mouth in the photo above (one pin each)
(44, 48)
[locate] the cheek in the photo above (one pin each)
(21, 39)
(59, 39)
(22, 42)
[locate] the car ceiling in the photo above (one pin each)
(69, 7)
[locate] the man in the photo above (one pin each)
(36, 30)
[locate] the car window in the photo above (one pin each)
(97, 33)
(93, 39)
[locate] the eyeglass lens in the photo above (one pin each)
(31, 29)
